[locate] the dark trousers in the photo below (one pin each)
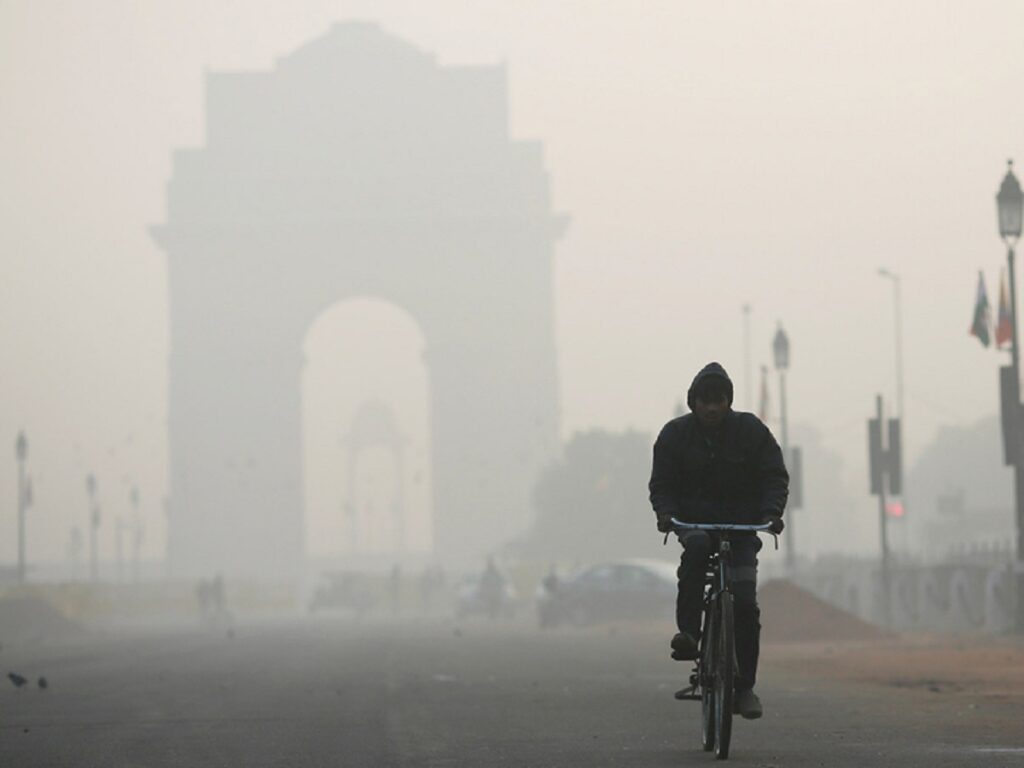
(693, 566)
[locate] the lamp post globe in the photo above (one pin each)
(780, 349)
(1010, 204)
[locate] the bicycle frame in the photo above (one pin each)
(716, 664)
(721, 559)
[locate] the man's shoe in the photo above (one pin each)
(747, 705)
(684, 647)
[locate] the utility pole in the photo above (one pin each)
(136, 533)
(21, 452)
(897, 288)
(75, 551)
(884, 470)
(883, 531)
(119, 527)
(780, 351)
(94, 524)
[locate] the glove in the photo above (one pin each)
(775, 522)
(664, 523)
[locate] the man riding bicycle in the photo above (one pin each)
(717, 465)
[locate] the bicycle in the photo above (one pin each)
(714, 674)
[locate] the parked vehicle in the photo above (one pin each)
(627, 590)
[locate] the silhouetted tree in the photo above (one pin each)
(591, 504)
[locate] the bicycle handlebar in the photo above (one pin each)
(719, 526)
(679, 525)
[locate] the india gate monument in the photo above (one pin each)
(356, 167)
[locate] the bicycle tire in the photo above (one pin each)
(725, 674)
(706, 677)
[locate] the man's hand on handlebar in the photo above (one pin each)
(775, 523)
(665, 523)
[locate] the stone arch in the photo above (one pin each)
(356, 166)
(365, 413)
(374, 425)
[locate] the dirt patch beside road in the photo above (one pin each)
(973, 686)
(976, 665)
(791, 614)
(28, 618)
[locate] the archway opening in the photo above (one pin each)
(366, 435)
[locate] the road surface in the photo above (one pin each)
(330, 692)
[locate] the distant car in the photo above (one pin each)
(471, 600)
(627, 590)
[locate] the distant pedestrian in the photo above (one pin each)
(550, 580)
(492, 589)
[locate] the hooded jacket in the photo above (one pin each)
(734, 475)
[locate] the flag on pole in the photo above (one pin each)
(1004, 322)
(982, 314)
(762, 412)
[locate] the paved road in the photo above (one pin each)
(330, 693)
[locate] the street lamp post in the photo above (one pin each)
(780, 351)
(94, 524)
(748, 380)
(136, 533)
(21, 452)
(119, 527)
(75, 550)
(1010, 205)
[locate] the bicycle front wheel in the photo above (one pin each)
(706, 677)
(725, 673)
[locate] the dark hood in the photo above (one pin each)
(711, 369)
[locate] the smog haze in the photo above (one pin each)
(706, 156)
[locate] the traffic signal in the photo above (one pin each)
(876, 456)
(885, 461)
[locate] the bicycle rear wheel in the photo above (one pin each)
(725, 673)
(706, 677)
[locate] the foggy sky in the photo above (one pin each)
(710, 155)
